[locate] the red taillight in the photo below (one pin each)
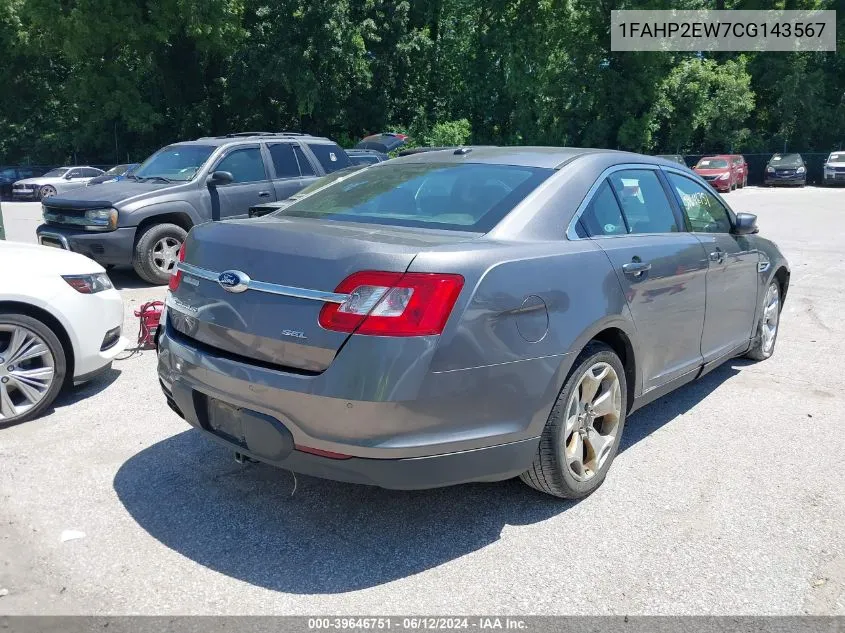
(393, 304)
(176, 277)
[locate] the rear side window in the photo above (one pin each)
(602, 216)
(643, 201)
(305, 167)
(283, 160)
(331, 157)
(455, 196)
(245, 165)
(91, 173)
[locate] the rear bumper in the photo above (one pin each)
(111, 248)
(264, 438)
(430, 441)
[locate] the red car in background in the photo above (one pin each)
(721, 171)
(742, 170)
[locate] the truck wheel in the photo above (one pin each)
(157, 251)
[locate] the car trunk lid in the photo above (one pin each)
(288, 256)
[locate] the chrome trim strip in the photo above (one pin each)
(61, 238)
(202, 273)
(263, 286)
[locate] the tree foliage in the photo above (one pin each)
(107, 80)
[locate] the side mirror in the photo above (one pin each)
(746, 224)
(219, 178)
(68, 176)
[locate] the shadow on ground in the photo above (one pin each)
(125, 278)
(330, 537)
(71, 395)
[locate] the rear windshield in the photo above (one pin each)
(712, 163)
(790, 160)
(461, 197)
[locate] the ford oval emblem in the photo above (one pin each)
(233, 280)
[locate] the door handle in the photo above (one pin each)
(263, 194)
(636, 269)
(717, 256)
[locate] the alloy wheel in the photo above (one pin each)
(47, 191)
(27, 370)
(592, 421)
(165, 254)
(771, 317)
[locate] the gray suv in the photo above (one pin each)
(143, 220)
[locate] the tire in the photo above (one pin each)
(21, 401)
(561, 443)
(764, 339)
(150, 260)
(47, 191)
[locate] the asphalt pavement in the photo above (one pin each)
(728, 496)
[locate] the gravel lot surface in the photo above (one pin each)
(728, 496)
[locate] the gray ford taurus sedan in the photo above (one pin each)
(465, 315)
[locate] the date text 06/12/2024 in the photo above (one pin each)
(419, 623)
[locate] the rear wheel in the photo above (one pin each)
(32, 367)
(583, 431)
(767, 326)
(157, 252)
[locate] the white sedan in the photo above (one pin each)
(60, 323)
(54, 182)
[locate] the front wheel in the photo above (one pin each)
(32, 367)
(157, 252)
(767, 326)
(47, 191)
(582, 434)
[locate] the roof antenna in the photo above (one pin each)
(462, 151)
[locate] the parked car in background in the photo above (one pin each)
(834, 168)
(675, 158)
(785, 169)
(266, 208)
(383, 143)
(60, 323)
(366, 156)
(142, 220)
(720, 171)
(115, 174)
(11, 174)
(741, 168)
(461, 316)
(54, 182)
